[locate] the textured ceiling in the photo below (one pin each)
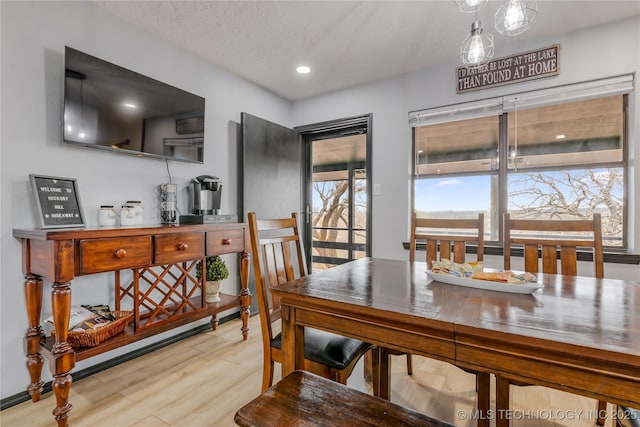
(346, 43)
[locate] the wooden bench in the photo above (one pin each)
(306, 399)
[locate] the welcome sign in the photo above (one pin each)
(509, 69)
(58, 201)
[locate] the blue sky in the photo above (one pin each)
(471, 193)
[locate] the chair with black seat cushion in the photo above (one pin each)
(543, 243)
(278, 257)
(441, 236)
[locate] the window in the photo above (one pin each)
(538, 160)
(457, 170)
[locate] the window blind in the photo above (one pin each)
(451, 113)
(569, 93)
(495, 106)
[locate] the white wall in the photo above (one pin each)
(598, 52)
(33, 36)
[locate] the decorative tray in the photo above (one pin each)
(526, 288)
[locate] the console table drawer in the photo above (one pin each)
(172, 248)
(227, 241)
(98, 255)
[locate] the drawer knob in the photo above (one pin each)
(226, 242)
(120, 253)
(183, 247)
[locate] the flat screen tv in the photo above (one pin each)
(112, 108)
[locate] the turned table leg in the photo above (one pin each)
(245, 295)
(214, 322)
(34, 334)
(62, 358)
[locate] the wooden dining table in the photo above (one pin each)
(577, 334)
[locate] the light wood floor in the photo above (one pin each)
(203, 380)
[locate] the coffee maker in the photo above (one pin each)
(205, 192)
(204, 195)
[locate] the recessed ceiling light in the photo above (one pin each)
(561, 136)
(130, 105)
(303, 69)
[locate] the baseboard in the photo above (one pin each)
(24, 396)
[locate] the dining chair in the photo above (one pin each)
(445, 234)
(543, 243)
(278, 257)
(441, 236)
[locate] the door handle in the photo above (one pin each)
(307, 214)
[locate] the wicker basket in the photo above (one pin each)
(94, 337)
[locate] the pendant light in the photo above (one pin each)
(512, 18)
(515, 16)
(477, 48)
(470, 6)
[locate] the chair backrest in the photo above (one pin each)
(278, 257)
(545, 244)
(459, 232)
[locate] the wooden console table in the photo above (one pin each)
(164, 292)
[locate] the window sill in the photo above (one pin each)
(609, 257)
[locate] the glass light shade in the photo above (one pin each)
(477, 48)
(515, 16)
(470, 6)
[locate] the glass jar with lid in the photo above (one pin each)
(139, 211)
(107, 216)
(128, 214)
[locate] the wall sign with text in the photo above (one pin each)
(58, 201)
(531, 65)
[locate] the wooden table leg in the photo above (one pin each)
(292, 342)
(381, 373)
(601, 410)
(502, 401)
(34, 334)
(62, 355)
(245, 295)
(288, 340)
(483, 390)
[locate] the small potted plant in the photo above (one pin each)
(216, 272)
